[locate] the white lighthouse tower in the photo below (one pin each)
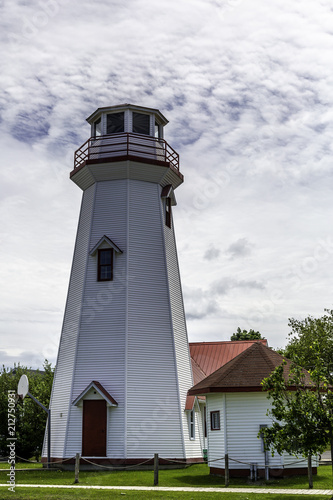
(123, 368)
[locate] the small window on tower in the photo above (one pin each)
(115, 123)
(105, 264)
(141, 123)
(168, 212)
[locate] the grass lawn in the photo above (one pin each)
(32, 494)
(194, 476)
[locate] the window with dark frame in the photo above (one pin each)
(215, 420)
(115, 123)
(168, 212)
(141, 123)
(105, 264)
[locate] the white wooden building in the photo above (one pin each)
(236, 408)
(123, 367)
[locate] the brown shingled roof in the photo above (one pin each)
(207, 357)
(245, 372)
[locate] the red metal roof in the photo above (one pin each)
(207, 357)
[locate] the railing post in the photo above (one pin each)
(226, 469)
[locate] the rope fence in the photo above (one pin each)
(253, 466)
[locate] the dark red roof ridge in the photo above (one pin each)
(218, 342)
(198, 366)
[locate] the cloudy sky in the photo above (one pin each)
(247, 87)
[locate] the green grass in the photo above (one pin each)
(54, 494)
(194, 476)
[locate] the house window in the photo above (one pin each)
(98, 127)
(105, 264)
(141, 123)
(191, 424)
(115, 123)
(215, 420)
(168, 212)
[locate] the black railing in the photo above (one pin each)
(125, 145)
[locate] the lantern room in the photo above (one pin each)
(127, 118)
(127, 132)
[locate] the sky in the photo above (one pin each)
(247, 89)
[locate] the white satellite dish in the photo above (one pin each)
(23, 386)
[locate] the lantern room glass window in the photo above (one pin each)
(98, 127)
(115, 123)
(158, 130)
(141, 123)
(105, 265)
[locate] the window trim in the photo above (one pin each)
(99, 265)
(212, 414)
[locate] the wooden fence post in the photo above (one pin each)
(155, 469)
(77, 467)
(310, 471)
(226, 469)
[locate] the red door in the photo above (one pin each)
(94, 428)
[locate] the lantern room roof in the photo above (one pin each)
(122, 107)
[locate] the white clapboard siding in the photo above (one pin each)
(244, 411)
(153, 412)
(215, 439)
(60, 403)
(101, 347)
(193, 448)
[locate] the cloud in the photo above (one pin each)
(212, 253)
(240, 248)
(247, 91)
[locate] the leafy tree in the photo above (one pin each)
(30, 418)
(311, 344)
(246, 335)
(302, 412)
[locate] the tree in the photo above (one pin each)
(30, 418)
(302, 412)
(246, 335)
(311, 344)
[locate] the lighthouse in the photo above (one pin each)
(123, 368)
